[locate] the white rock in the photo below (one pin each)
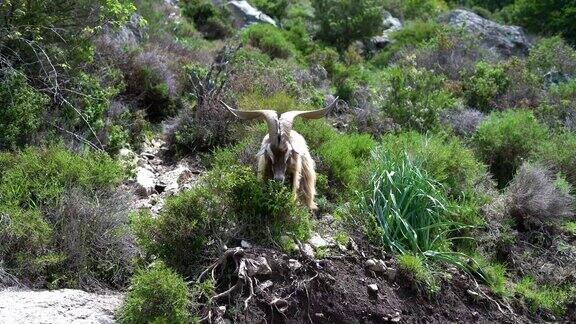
(245, 244)
(317, 241)
(294, 264)
(175, 178)
(57, 306)
(145, 182)
(375, 265)
(373, 288)
(307, 250)
(244, 14)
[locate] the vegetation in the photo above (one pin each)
(440, 156)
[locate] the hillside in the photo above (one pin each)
(135, 185)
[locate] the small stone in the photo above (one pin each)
(317, 241)
(376, 265)
(308, 251)
(396, 319)
(245, 244)
(145, 182)
(473, 293)
(294, 264)
(352, 245)
(475, 314)
(373, 288)
(265, 285)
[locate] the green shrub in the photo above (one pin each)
(558, 109)
(504, 139)
(415, 98)
(22, 109)
(413, 33)
(37, 200)
(343, 156)
(208, 18)
(546, 17)
(227, 203)
(558, 153)
(273, 8)
(156, 295)
(270, 40)
(444, 158)
(279, 101)
(341, 22)
(413, 9)
(484, 85)
(552, 54)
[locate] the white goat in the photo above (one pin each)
(284, 153)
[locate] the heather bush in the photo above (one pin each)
(341, 22)
(22, 109)
(533, 198)
(485, 85)
(524, 88)
(415, 98)
(504, 139)
(463, 122)
(35, 245)
(270, 40)
(156, 295)
(552, 54)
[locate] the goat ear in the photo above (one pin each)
(261, 151)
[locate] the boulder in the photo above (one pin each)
(391, 24)
(57, 306)
(504, 40)
(244, 14)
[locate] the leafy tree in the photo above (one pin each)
(548, 17)
(343, 21)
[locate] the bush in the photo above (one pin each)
(546, 17)
(413, 9)
(444, 158)
(484, 85)
(36, 245)
(414, 33)
(558, 153)
(341, 22)
(524, 88)
(533, 198)
(22, 109)
(463, 122)
(227, 203)
(209, 19)
(270, 40)
(273, 8)
(558, 108)
(552, 54)
(156, 295)
(504, 139)
(415, 98)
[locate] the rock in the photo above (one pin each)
(258, 266)
(317, 241)
(57, 306)
(391, 24)
(145, 182)
(245, 244)
(391, 273)
(128, 35)
(307, 251)
(244, 14)
(375, 265)
(265, 285)
(501, 39)
(554, 77)
(294, 264)
(472, 293)
(373, 288)
(176, 178)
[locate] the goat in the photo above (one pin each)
(284, 153)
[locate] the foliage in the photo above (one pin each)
(504, 139)
(552, 54)
(34, 184)
(228, 202)
(463, 122)
(208, 18)
(484, 85)
(22, 108)
(533, 198)
(270, 40)
(544, 297)
(444, 158)
(418, 272)
(274, 8)
(341, 22)
(558, 153)
(156, 295)
(416, 98)
(549, 17)
(413, 9)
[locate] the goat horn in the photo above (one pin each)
(270, 116)
(310, 114)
